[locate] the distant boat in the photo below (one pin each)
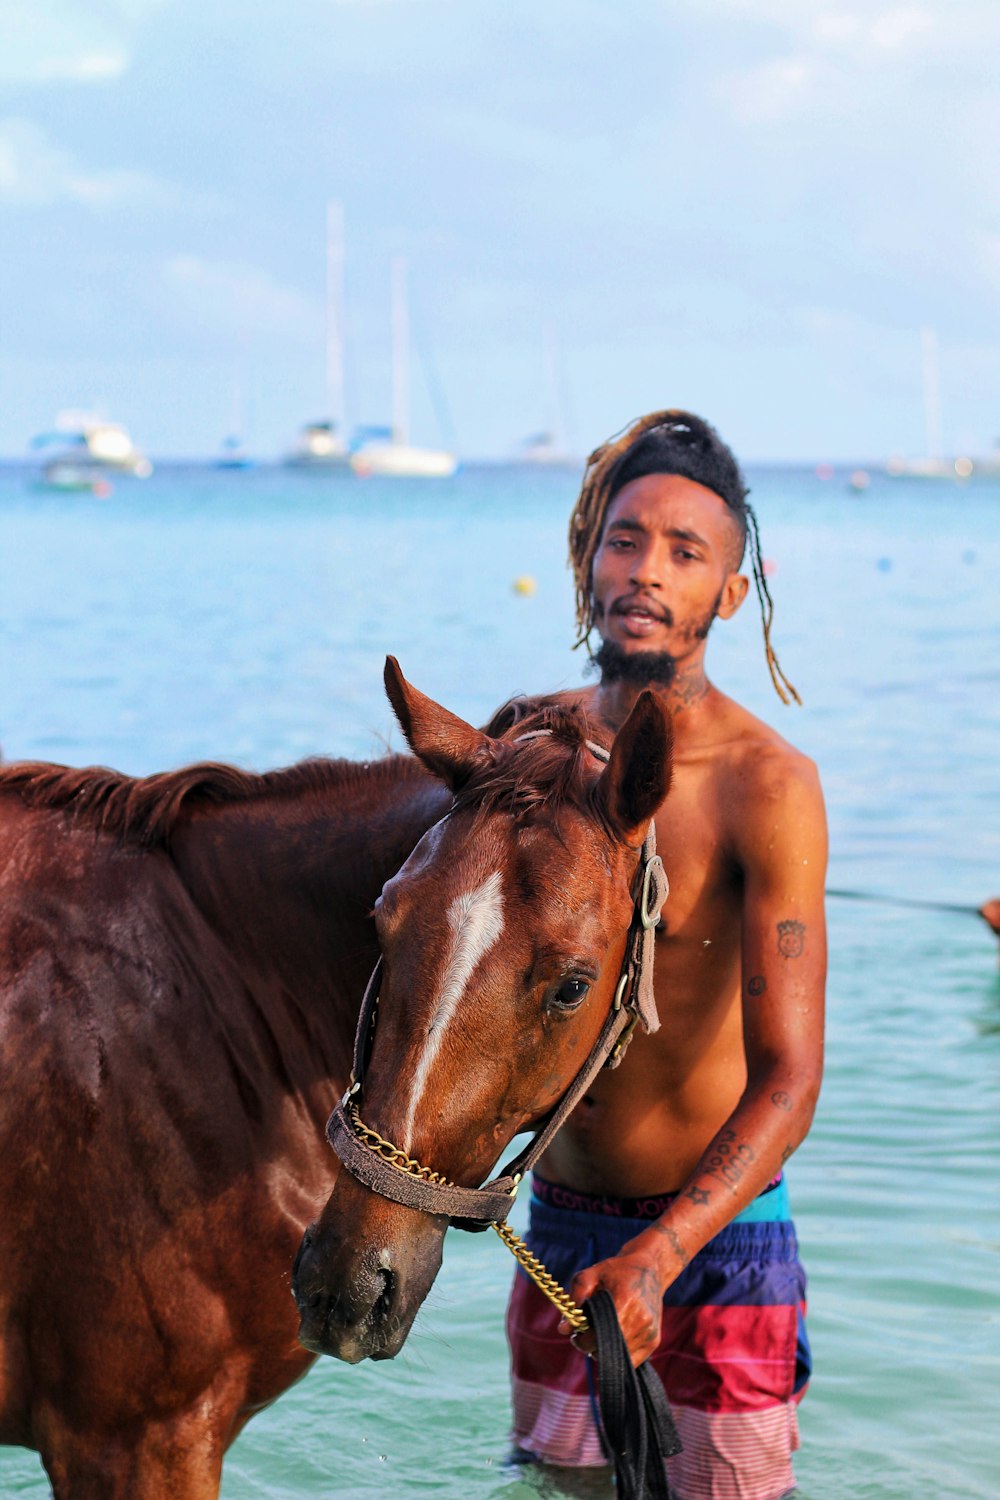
(83, 450)
(234, 455)
(544, 449)
(548, 449)
(936, 468)
(320, 445)
(934, 464)
(394, 455)
(402, 461)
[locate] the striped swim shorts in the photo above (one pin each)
(733, 1354)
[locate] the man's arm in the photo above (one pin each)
(782, 850)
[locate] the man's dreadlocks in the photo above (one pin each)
(666, 442)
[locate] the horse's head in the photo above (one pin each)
(503, 937)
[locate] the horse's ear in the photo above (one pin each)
(637, 777)
(446, 744)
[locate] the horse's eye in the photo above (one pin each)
(571, 993)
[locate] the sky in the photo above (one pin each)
(745, 207)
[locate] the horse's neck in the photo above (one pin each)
(289, 885)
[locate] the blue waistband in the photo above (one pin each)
(769, 1207)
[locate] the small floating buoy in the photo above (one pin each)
(101, 489)
(524, 585)
(860, 480)
(824, 471)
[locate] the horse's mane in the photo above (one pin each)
(523, 775)
(146, 810)
(517, 776)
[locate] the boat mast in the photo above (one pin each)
(400, 353)
(335, 316)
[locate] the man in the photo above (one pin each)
(990, 913)
(665, 1187)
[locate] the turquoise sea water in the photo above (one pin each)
(246, 617)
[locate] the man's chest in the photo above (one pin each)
(694, 841)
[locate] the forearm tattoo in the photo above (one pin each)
(670, 1235)
(698, 1194)
(729, 1159)
(756, 985)
(791, 939)
(781, 1100)
(647, 1285)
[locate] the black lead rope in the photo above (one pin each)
(968, 911)
(639, 1429)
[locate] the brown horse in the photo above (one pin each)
(484, 1019)
(181, 963)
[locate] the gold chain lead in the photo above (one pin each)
(544, 1280)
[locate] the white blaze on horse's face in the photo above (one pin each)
(475, 921)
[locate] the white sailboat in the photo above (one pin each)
(395, 455)
(548, 448)
(934, 464)
(321, 445)
(233, 454)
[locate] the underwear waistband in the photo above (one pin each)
(652, 1206)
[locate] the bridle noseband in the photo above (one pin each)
(389, 1172)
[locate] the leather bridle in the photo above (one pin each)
(388, 1171)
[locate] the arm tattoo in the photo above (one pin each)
(786, 1154)
(781, 1100)
(698, 1194)
(670, 1235)
(757, 985)
(647, 1286)
(728, 1159)
(791, 939)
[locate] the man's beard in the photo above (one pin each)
(640, 668)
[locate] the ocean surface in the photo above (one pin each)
(245, 617)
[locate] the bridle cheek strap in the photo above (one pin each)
(642, 935)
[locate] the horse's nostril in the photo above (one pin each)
(383, 1302)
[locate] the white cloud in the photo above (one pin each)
(51, 41)
(240, 296)
(34, 171)
(864, 31)
(828, 51)
(60, 41)
(771, 91)
(897, 28)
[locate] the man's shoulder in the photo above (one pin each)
(770, 799)
(760, 763)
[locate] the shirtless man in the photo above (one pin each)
(665, 1186)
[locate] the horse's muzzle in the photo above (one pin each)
(357, 1287)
